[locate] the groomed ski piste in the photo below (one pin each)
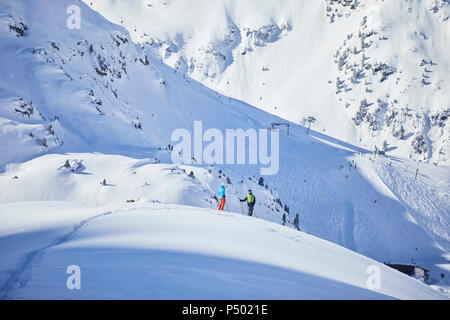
(79, 107)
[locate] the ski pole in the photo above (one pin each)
(242, 210)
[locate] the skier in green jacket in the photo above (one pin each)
(251, 200)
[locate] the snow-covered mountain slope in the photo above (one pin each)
(95, 100)
(373, 73)
(161, 251)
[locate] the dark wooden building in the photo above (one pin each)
(415, 271)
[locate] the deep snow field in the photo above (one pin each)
(79, 107)
(157, 251)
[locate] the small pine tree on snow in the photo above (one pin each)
(384, 146)
(261, 181)
(419, 145)
(228, 180)
(398, 133)
(103, 182)
(361, 113)
(278, 200)
(43, 142)
(286, 208)
(401, 133)
(20, 28)
(191, 174)
(67, 164)
(284, 219)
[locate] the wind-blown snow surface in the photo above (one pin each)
(369, 71)
(107, 107)
(176, 252)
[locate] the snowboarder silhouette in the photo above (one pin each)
(251, 200)
(221, 197)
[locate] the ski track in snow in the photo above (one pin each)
(20, 276)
